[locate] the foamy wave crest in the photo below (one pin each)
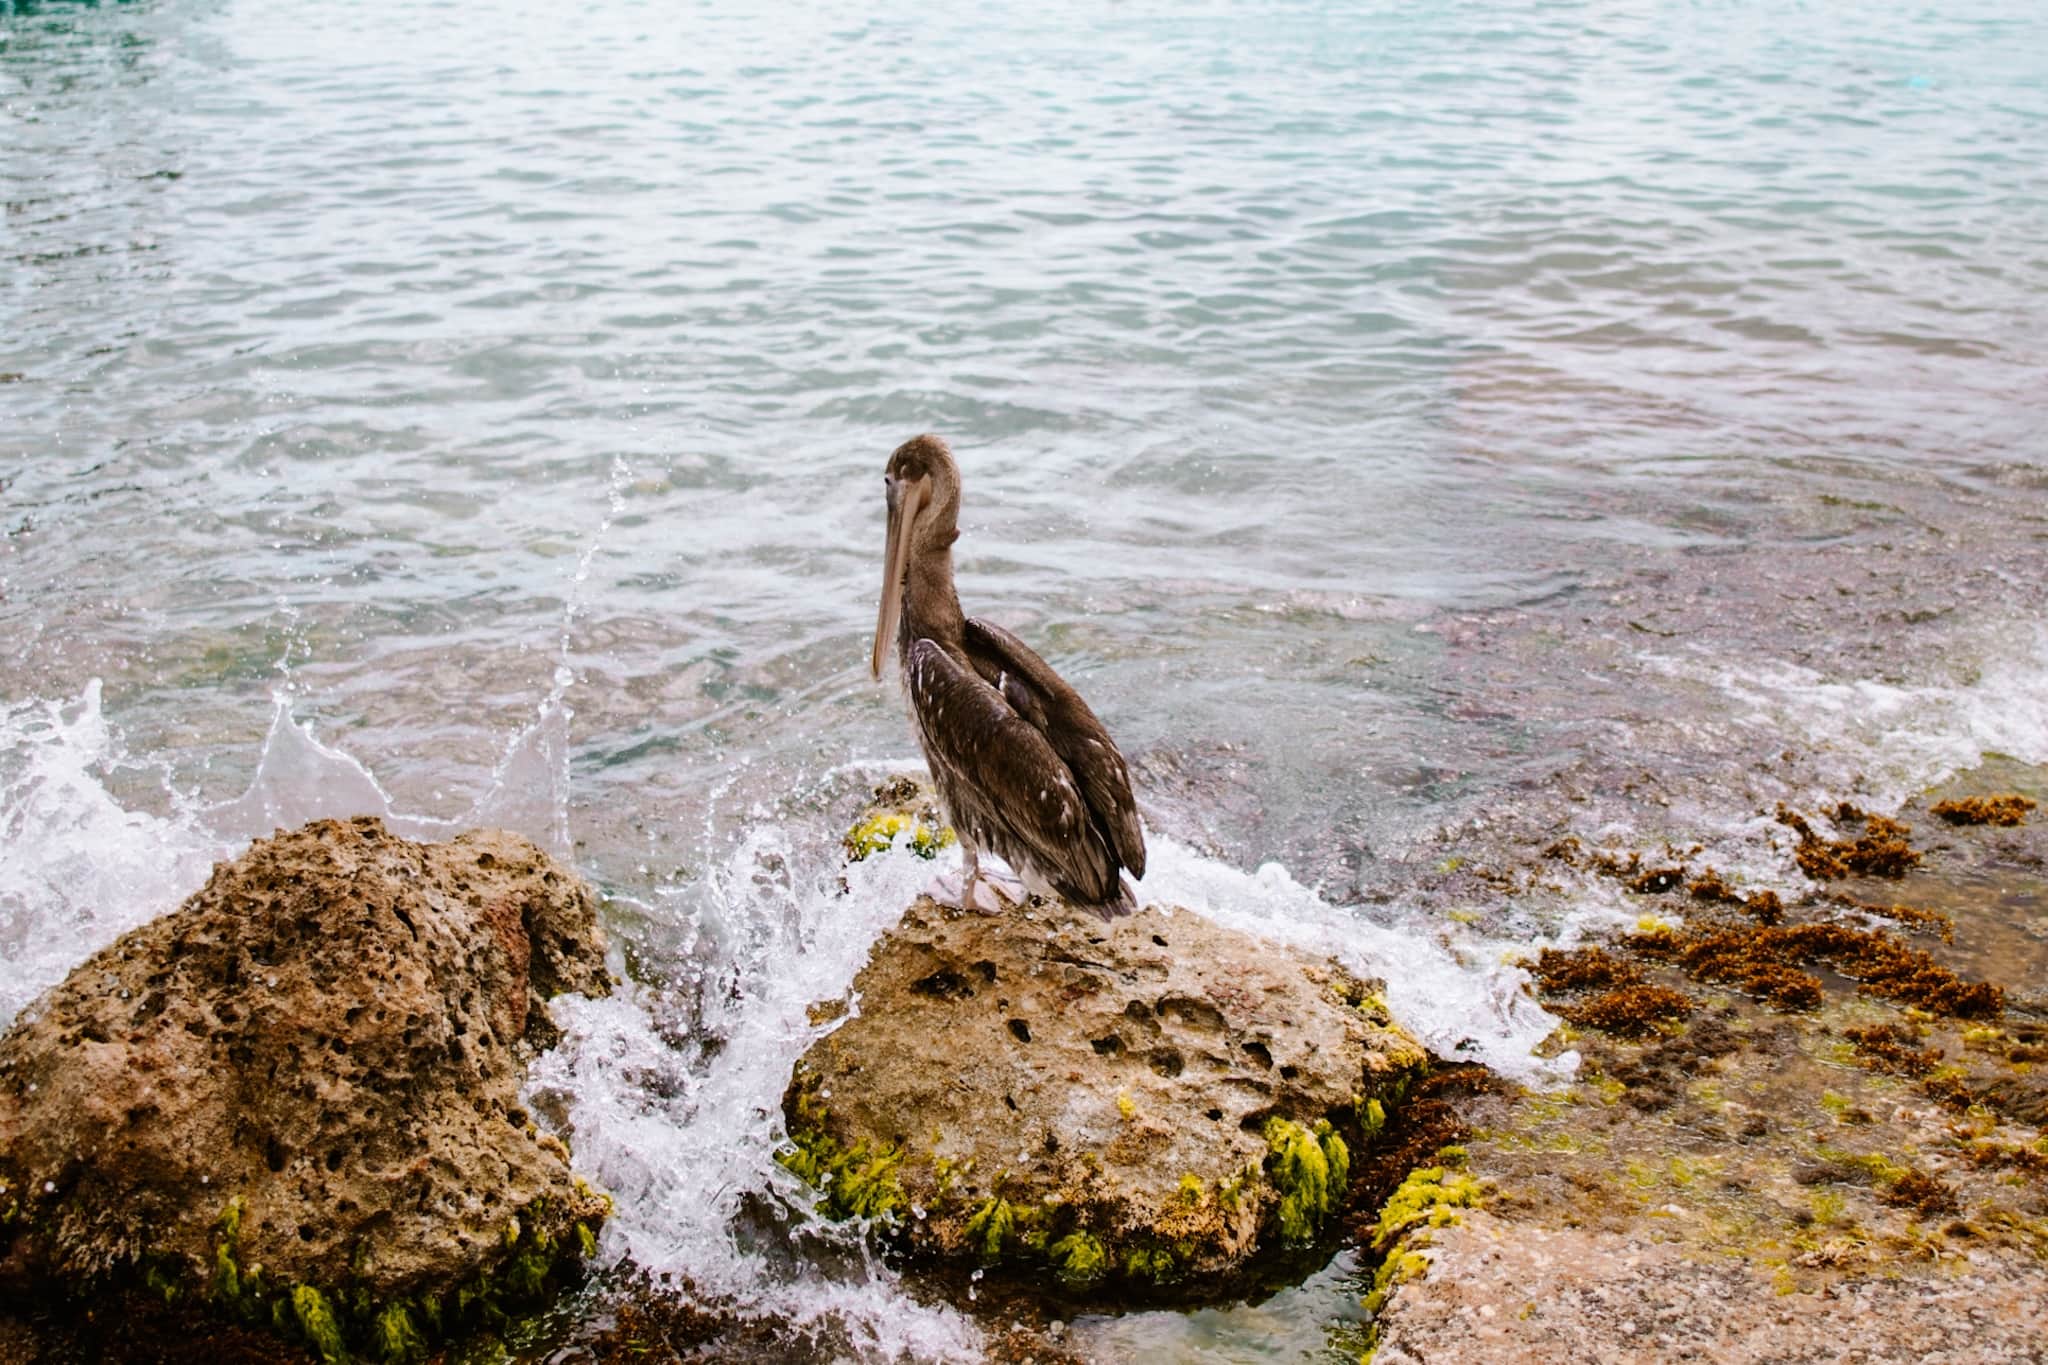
(1903, 739)
(684, 1134)
(81, 863)
(78, 868)
(1461, 1003)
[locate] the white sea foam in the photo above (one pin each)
(1898, 739)
(685, 1136)
(1457, 997)
(79, 866)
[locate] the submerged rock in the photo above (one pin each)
(295, 1098)
(1149, 1106)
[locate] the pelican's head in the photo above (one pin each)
(922, 485)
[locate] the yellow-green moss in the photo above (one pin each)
(1311, 1169)
(990, 1225)
(315, 1316)
(881, 830)
(343, 1322)
(394, 1336)
(1149, 1263)
(238, 1289)
(1395, 1271)
(1429, 1197)
(1372, 1117)
(161, 1278)
(1230, 1193)
(861, 1182)
(1078, 1260)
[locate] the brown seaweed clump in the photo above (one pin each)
(1628, 1010)
(2006, 808)
(1922, 1193)
(1581, 969)
(1880, 851)
(2007, 1156)
(1766, 960)
(1737, 957)
(1626, 1003)
(1710, 886)
(1892, 1047)
(1912, 916)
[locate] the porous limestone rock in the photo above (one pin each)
(1147, 1107)
(297, 1096)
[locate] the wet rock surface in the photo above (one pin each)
(1512, 1293)
(1855, 1170)
(1145, 1106)
(294, 1100)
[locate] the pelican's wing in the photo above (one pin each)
(1013, 785)
(1043, 696)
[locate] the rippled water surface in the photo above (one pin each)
(1400, 420)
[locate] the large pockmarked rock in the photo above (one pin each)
(1147, 1108)
(295, 1098)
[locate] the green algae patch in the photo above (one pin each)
(1311, 1168)
(543, 1247)
(990, 1226)
(900, 810)
(1149, 1264)
(1429, 1197)
(396, 1336)
(879, 833)
(862, 1181)
(1078, 1260)
(318, 1324)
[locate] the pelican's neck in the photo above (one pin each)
(931, 609)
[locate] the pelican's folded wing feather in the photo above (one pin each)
(1008, 781)
(1071, 729)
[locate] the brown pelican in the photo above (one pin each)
(1023, 767)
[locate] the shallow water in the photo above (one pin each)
(1415, 431)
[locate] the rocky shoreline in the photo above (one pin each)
(293, 1104)
(1801, 1130)
(1770, 1153)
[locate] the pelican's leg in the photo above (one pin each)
(979, 891)
(996, 877)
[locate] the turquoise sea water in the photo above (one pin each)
(1404, 422)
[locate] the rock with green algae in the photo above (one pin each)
(294, 1101)
(1148, 1106)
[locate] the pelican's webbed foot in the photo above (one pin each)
(982, 894)
(977, 887)
(1001, 889)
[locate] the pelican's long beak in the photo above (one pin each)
(906, 500)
